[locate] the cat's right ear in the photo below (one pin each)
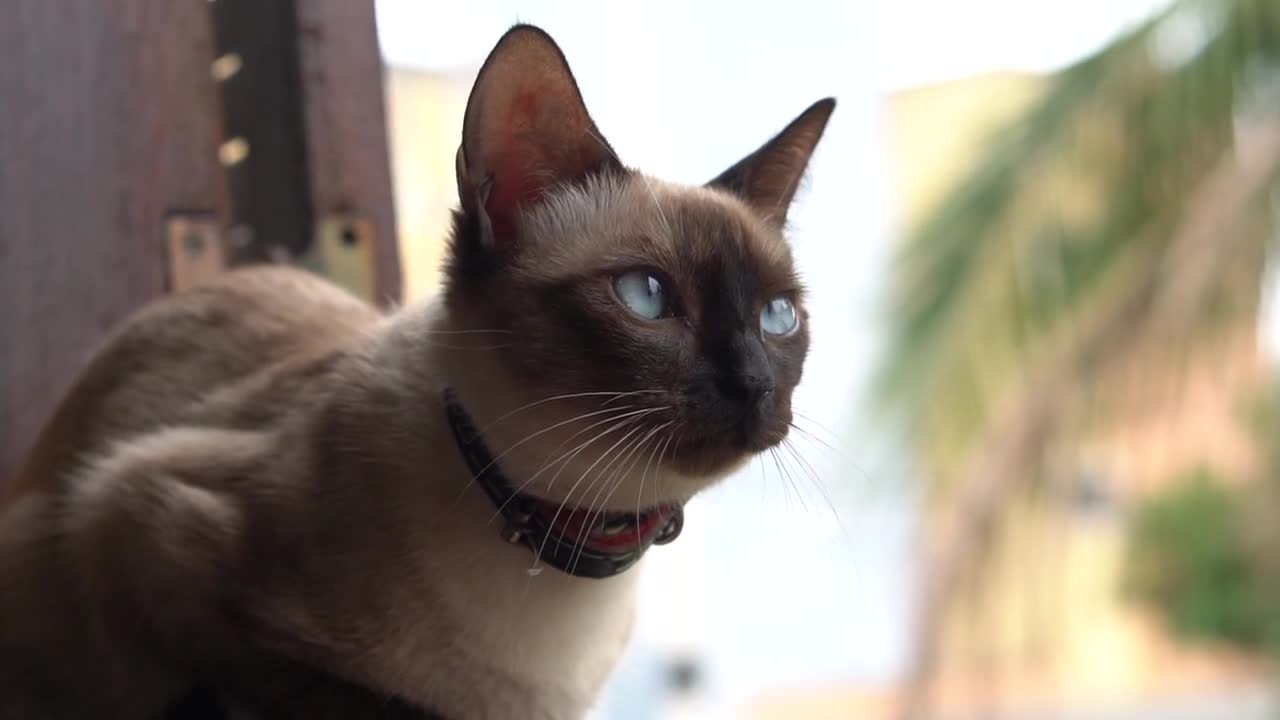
(767, 179)
(525, 131)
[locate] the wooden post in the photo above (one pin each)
(111, 123)
(266, 146)
(346, 130)
(108, 122)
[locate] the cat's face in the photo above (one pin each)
(670, 315)
(678, 296)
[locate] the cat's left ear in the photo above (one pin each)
(525, 131)
(767, 179)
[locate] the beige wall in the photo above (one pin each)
(424, 118)
(937, 133)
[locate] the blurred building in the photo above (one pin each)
(1046, 626)
(424, 119)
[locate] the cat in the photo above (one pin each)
(269, 493)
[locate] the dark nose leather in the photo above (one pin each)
(746, 377)
(756, 388)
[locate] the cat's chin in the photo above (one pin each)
(717, 457)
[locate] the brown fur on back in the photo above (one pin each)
(161, 366)
(230, 356)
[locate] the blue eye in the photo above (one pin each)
(642, 293)
(779, 317)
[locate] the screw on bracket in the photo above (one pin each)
(195, 249)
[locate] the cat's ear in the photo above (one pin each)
(767, 179)
(525, 131)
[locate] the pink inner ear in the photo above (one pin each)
(528, 156)
(515, 182)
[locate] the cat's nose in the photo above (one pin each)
(746, 393)
(757, 388)
(747, 381)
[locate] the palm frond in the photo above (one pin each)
(1097, 171)
(1106, 217)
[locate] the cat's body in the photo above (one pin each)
(255, 486)
(347, 568)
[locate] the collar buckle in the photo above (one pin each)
(671, 530)
(517, 527)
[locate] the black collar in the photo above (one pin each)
(525, 525)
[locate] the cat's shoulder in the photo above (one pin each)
(175, 352)
(268, 299)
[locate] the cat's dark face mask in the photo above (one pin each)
(701, 335)
(673, 312)
(706, 327)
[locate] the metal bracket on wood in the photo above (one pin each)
(195, 249)
(343, 251)
(259, 75)
(279, 212)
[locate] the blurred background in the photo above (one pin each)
(1039, 475)
(1038, 235)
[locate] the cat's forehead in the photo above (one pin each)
(614, 219)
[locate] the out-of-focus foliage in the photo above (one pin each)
(1080, 196)
(1206, 553)
(1115, 224)
(1195, 558)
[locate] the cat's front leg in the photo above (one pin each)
(156, 531)
(151, 534)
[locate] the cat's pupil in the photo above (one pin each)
(642, 293)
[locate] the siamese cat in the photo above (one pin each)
(266, 497)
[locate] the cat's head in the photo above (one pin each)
(668, 319)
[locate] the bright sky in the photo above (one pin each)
(912, 42)
(924, 41)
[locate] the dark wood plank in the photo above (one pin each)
(262, 105)
(346, 124)
(108, 119)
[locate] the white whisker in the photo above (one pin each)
(567, 458)
(815, 439)
(620, 421)
(666, 226)
(592, 513)
(777, 464)
(764, 477)
(463, 490)
(566, 396)
(657, 206)
(786, 469)
(818, 443)
(808, 470)
(621, 476)
(645, 473)
(578, 482)
(435, 344)
(533, 435)
(637, 413)
(661, 455)
(809, 418)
